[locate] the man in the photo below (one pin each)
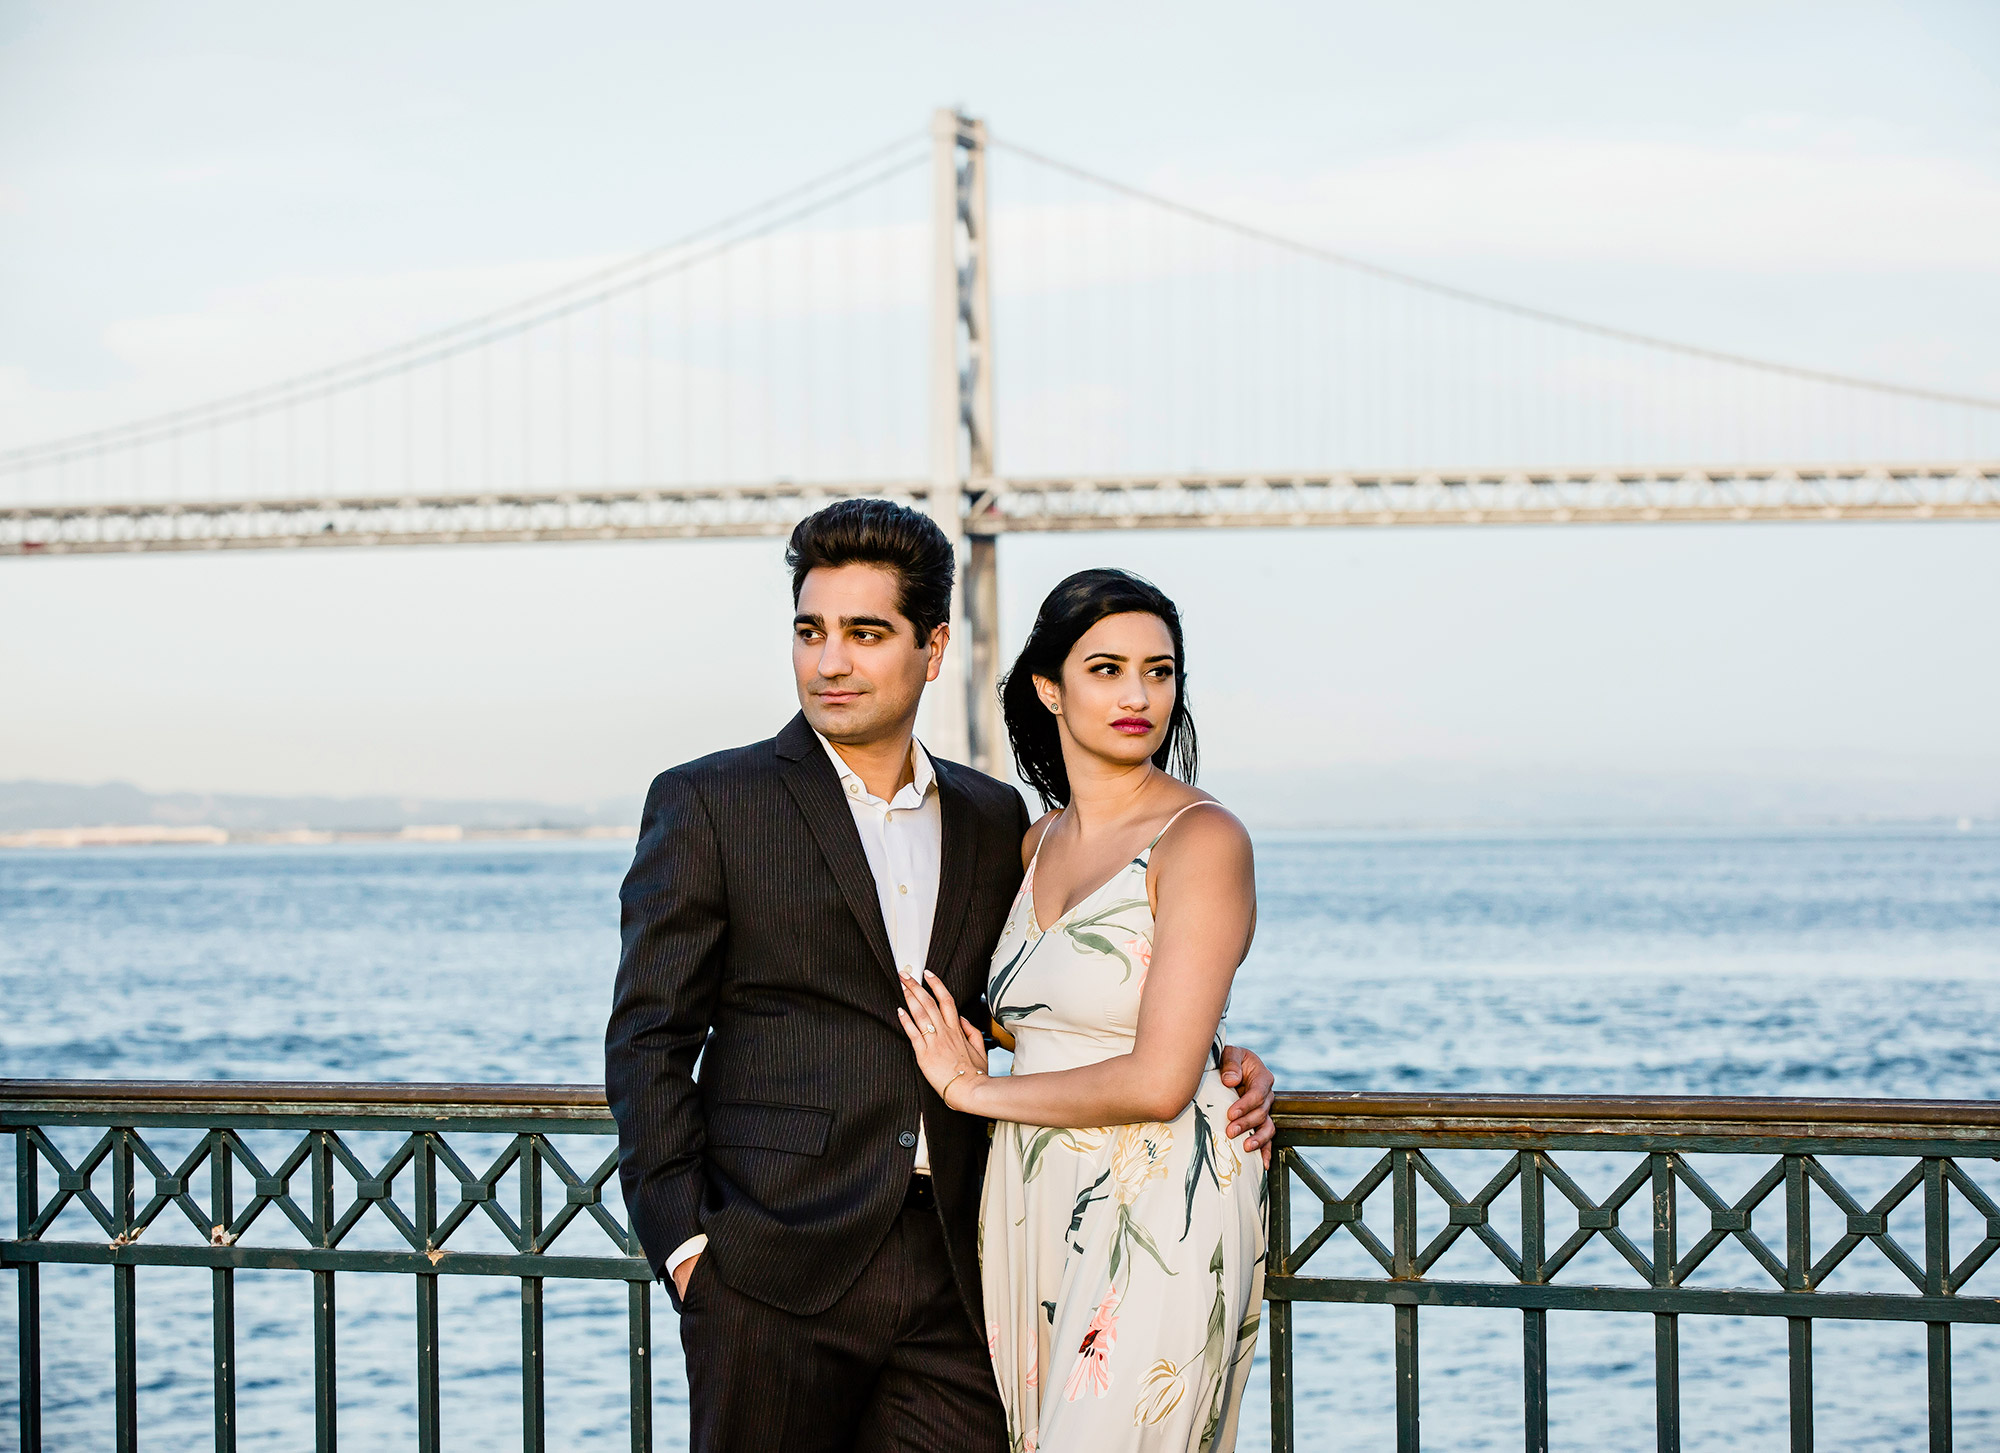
(812, 1204)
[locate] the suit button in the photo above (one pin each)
(907, 1139)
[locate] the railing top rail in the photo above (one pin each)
(1664, 1112)
(20, 1095)
(1661, 1114)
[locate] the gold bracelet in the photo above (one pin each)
(945, 1093)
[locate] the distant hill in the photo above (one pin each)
(28, 805)
(1407, 794)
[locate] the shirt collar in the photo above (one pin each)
(923, 775)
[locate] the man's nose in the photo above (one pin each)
(833, 660)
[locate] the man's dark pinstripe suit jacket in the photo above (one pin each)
(753, 937)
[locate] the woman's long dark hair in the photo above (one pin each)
(1072, 608)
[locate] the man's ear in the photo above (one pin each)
(940, 638)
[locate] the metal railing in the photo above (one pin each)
(311, 1195)
(124, 1197)
(1675, 1221)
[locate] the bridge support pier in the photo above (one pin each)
(964, 717)
(980, 591)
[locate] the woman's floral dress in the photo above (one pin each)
(1123, 1266)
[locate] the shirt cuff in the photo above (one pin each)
(693, 1246)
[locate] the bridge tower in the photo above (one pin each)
(964, 709)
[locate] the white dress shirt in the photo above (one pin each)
(904, 843)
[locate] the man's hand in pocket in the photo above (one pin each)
(684, 1273)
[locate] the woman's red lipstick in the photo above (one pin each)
(1132, 726)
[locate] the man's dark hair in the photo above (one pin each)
(880, 532)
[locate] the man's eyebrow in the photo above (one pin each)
(802, 619)
(873, 623)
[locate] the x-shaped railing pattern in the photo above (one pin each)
(1727, 1219)
(124, 1185)
(1664, 1220)
(374, 1188)
(133, 1195)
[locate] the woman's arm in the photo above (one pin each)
(1206, 888)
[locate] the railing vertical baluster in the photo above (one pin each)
(1798, 1347)
(124, 1300)
(1798, 1278)
(326, 1421)
(1534, 1320)
(429, 1436)
(1937, 1341)
(639, 1361)
(1403, 1183)
(1667, 1381)
(1937, 1283)
(1408, 1438)
(1277, 1262)
(222, 1211)
(533, 1416)
(27, 1207)
(125, 1355)
(1666, 1325)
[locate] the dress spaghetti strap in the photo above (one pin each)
(1036, 855)
(1203, 802)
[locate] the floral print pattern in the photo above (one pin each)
(1099, 1338)
(1123, 1265)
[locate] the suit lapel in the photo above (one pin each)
(814, 785)
(958, 866)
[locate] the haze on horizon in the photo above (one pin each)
(193, 199)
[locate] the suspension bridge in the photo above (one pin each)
(1165, 367)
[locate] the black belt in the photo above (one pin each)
(920, 1194)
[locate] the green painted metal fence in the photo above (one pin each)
(1661, 1219)
(313, 1202)
(318, 1206)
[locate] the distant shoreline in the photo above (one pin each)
(152, 835)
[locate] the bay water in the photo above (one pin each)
(1857, 961)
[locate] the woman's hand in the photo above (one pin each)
(1250, 1116)
(948, 1049)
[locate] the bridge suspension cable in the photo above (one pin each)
(1144, 338)
(1483, 300)
(796, 204)
(1147, 335)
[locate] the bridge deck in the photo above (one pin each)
(1934, 491)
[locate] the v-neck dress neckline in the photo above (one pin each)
(1141, 862)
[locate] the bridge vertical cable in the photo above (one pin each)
(1302, 359)
(577, 387)
(1164, 363)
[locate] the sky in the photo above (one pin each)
(1818, 184)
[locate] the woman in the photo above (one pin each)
(1122, 1236)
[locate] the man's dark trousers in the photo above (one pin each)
(835, 1307)
(893, 1365)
